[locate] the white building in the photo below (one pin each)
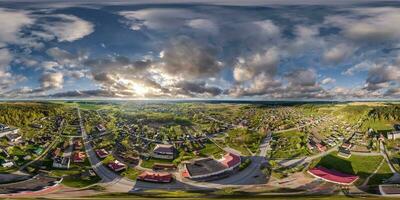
(5, 130)
(163, 151)
(8, 164)
(394, 135)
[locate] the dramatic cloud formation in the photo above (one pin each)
(189, 59)
(328, 50)
(372, 24)
(11, 24)
(70, 28)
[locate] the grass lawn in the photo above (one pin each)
(130, 173)
(379, 125)
(395, 158)
(383, 174)
(66, 172)
(211, 149)
(91, 106)
(150, 162)
(6, 170)
(74, 176)
(243, 139)
(289, 144)
(361, 166)
(78, 182)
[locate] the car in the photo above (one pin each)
(136, 190)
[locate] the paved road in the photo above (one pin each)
(109, 178)
(247, 176)
(385, 155)
(250, 176)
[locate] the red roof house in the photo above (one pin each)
(333, 176)
(155, 177)
(116, 166)
(79, 157)
(321, 147)
(185, 174)
(101, 153)
(231, 160)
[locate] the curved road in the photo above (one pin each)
(109, 178)
(248, 176)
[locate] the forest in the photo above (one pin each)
(23, 114)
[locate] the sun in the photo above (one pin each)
(140, 89)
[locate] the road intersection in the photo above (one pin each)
(252, 175)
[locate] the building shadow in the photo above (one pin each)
(335, 163)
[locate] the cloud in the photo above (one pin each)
(123, 76)
(205, 51)
(246, 69)
(328, 80)
(187, 58)
(49, 65)
(349, 93)
(11, 23)
(65, 58)
(203, 25)
(7, 79)
(301, 77)
(68, 28)
(157, 18)
(269, 28)
(382, 76)
(194, 89)
(306, 39)
(338, 53)
(368, 24)
(50, 81)
(363, 66)
(393, 92)
(5, 59)
(262, 84)
(302, 83)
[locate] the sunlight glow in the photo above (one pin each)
(140, 90)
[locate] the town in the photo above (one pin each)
(49, 148)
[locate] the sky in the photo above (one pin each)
(261, 50)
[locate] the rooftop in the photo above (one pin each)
(164, 148)
(204, 166)
(102, 153)
(333, 175)
(230, 160)
(79, 156)
(116, 165)
(155, 177)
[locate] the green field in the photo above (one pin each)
(244, 140)
(289, 144)
(379, 125)
(361, 166)
(150, 162)
(211, 149)
(79, 182)
(130, 173)
(383, 174)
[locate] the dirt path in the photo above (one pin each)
(373, 173)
